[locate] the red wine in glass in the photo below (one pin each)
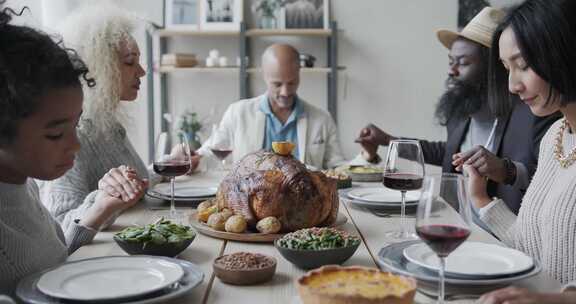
(221, 154)
(402, 181)
(442, 239)
(172, 168)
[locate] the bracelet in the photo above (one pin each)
(510, 168)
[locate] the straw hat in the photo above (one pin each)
(479, 29)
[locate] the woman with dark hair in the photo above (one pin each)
(41, 102)
(534, 57)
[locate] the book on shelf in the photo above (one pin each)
(179, 60)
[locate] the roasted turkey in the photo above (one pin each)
(266, 184)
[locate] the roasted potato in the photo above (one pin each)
(269, 225)
(217, 221)
(226, 213)
(236, 224)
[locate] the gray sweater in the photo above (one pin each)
(545, 227)
(30, 239)
(65, 197)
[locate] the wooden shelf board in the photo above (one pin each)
(173, 32)
(289, 32)
(169, 69)
(303, 70)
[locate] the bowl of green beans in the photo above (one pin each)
(162, 238)
(314, 247)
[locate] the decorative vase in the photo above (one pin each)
(268, 22)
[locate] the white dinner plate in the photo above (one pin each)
(109, 278)
(178, 198)
(184, 190)
(373, 205)
(472, 259)
(391, 257)
(382, 195)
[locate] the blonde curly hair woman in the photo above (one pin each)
(103, 37)
(107, 160)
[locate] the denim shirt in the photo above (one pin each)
(276, 131)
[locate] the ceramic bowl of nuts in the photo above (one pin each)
(314, 247)
(244, 268)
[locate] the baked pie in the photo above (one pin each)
(360, 285)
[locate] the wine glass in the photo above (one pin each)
(220, 145)
(171, 159)
(444, 217)
(404, 171)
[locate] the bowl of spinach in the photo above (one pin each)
(315, 247)
(162, 238)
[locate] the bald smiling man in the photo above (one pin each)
(281, 115)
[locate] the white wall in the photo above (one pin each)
(394, 74)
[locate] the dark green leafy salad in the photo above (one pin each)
(318, 239)
(159, 233)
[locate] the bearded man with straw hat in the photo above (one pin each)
(503, 146)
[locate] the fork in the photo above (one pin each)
(451, 297)
(385, 214)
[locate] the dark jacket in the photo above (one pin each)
(517, 136)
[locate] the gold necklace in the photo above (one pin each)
(565, 161)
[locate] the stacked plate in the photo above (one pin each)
(115, 279)
(380, 198)
(183, 192)
(473, 268)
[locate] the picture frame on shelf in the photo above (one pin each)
(182, 14)
(306, 14)
(221, 15)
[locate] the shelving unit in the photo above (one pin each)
(172, 33)
(289, 32)
(166, 69)
(157, 40)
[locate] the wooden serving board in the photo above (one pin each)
(255, 237)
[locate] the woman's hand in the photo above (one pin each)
(514, 295)
(123, 183)
(119, 189)
(106, 207)
(477, 187)
(485, 162)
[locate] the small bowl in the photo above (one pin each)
(244, 276)
(365, 173)
(344, 183)
(167, 249)
(309, 259)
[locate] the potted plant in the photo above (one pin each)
(190, 124)
(267, 10)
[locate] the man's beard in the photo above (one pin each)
(460, 101)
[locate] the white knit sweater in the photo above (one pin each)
(545, 227)
(30, 239)
(65, 196)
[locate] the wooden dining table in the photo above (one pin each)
(282, 288)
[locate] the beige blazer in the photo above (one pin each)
(244, 124)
